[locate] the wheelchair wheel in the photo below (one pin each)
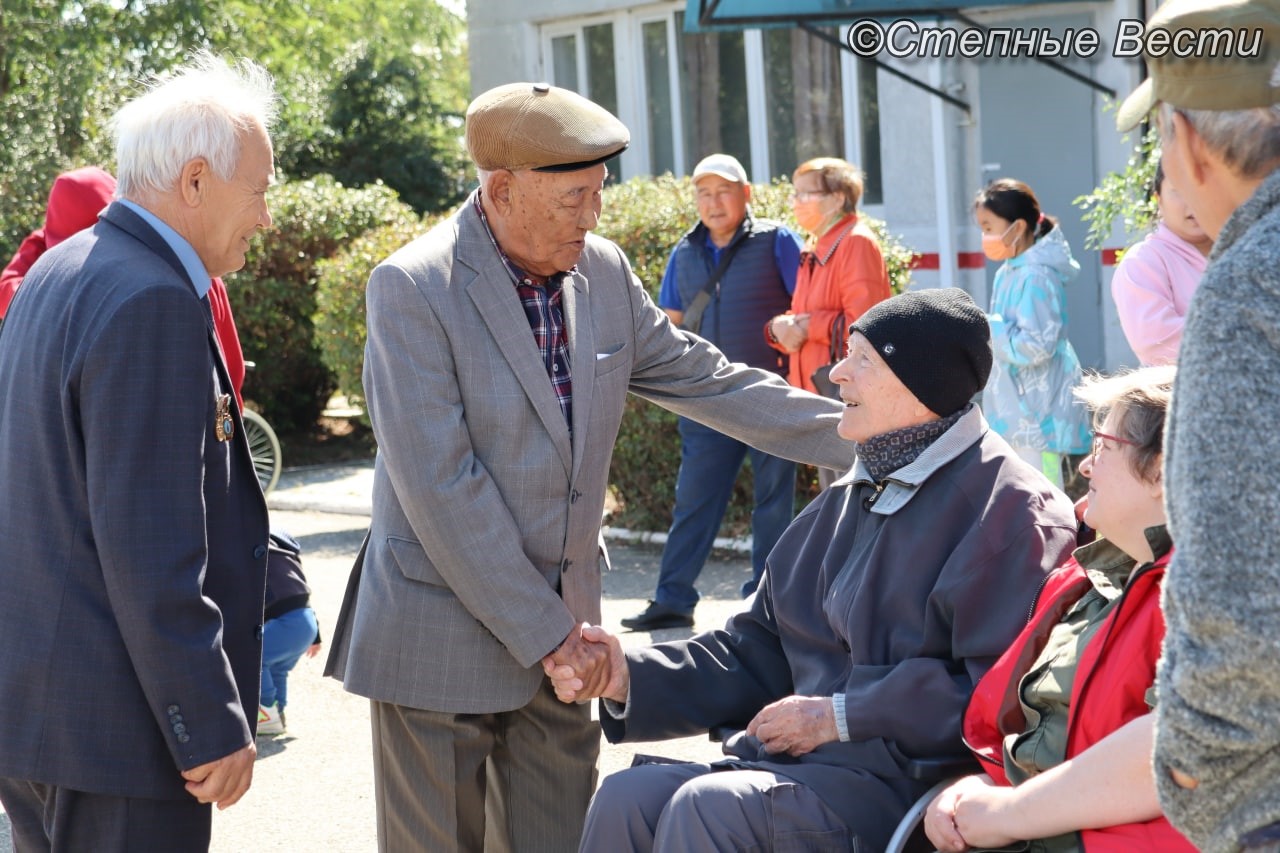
(264, 447)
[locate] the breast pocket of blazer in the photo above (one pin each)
(412, 560)
(611, 359)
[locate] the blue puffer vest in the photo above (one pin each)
(749, 293)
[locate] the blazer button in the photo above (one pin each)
(259, 552)
(257, 632)
(172, 709)
(184, 737)
(179, 729)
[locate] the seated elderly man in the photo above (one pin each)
(881, 606)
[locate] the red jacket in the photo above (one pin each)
(1112, 678)
(224, 324)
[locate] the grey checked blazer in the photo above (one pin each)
(485, 545)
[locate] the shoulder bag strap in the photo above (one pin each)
(692, 319)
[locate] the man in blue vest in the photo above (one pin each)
(725, 279)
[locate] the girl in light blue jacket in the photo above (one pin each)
(1028, 398)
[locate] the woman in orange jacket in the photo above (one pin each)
(842, 272)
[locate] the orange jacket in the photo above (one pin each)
(842, 275)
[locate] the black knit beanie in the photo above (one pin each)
(937, 342)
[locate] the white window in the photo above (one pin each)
(582, 59)
(772, 98)
(714, 95)
(661, 101)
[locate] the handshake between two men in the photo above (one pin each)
(591, 664)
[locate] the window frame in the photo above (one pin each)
(632, 86)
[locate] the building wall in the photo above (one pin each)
(932, 153)
(503, 35)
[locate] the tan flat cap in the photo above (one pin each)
(1217, 55)
(543, 127)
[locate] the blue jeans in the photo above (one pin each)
(284, 639)
(709, 463)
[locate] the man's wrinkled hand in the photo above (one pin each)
(589, 660)
(564, 681)
(791, 330)
(223, 781)
(576, 666)
(608, 678)
(795, 725)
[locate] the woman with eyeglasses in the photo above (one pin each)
(1062, 723)
(1028, 397)
(842, 273)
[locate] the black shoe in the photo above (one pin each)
(658, 615)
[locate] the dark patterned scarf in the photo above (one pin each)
(883, 454)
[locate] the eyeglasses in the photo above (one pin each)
(808, 195)
(1099, 444)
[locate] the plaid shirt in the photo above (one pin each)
(541, 301)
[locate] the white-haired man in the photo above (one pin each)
(133, 549)
(1217, 749)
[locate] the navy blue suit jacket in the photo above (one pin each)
(133, 540)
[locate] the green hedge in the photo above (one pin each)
(340, 286)
(274, 296)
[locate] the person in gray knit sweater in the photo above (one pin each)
(1217, 745)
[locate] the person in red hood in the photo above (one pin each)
(75, 200)
(74, 203)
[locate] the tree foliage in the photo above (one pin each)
(386, 122)
(341, 331)
(66, 65)
(1125, 196)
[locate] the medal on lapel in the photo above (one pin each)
(223, 426)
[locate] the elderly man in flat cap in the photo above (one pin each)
(1217, 749)
(502, 345)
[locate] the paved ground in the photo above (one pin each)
(313, 787)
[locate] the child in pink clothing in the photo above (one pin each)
(1154, 282)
